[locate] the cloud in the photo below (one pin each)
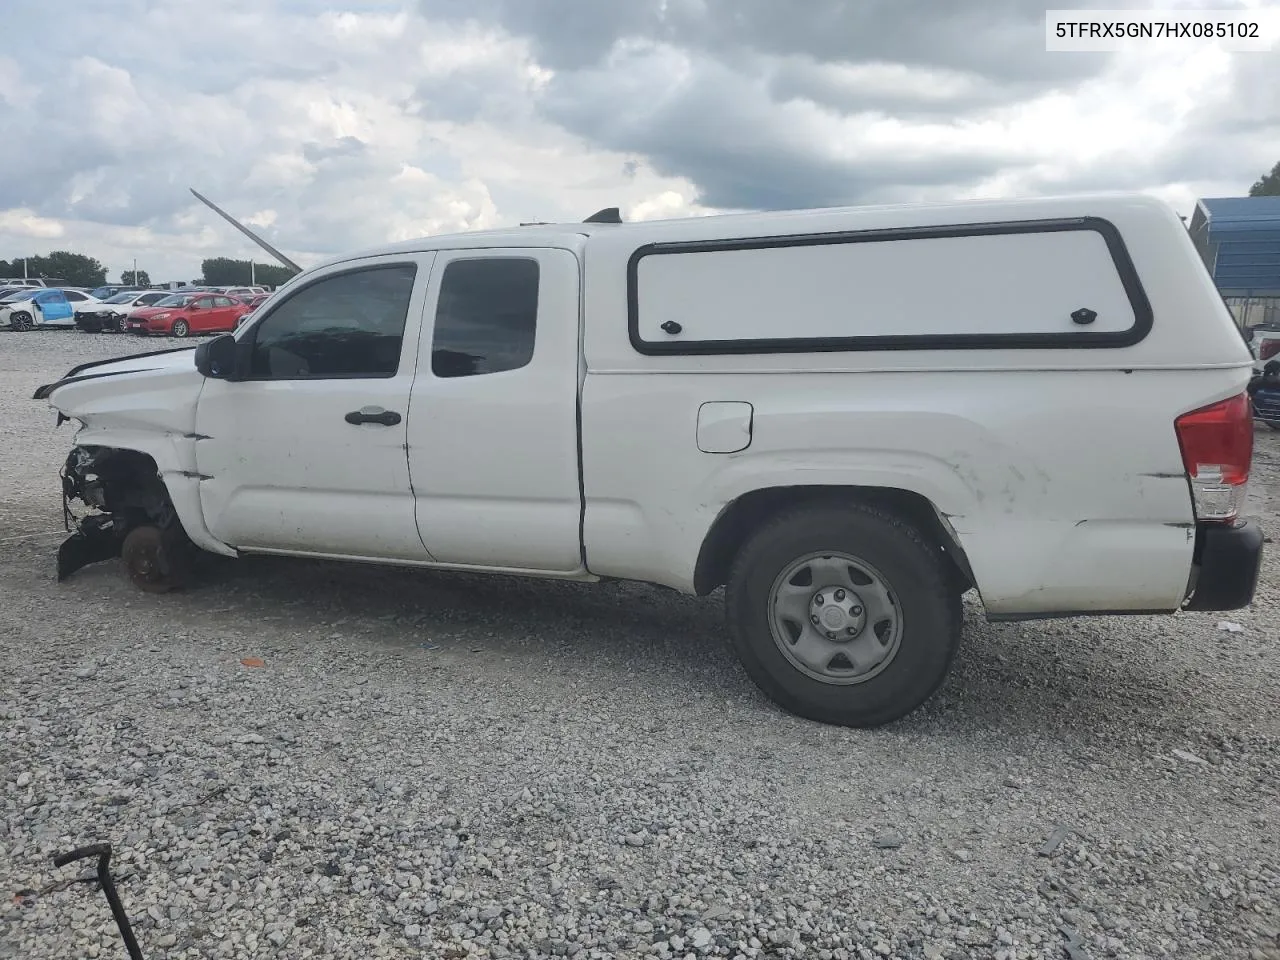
(335, 125)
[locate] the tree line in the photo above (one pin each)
(78, 270)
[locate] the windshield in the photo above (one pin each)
(121, 298)
(177, 300)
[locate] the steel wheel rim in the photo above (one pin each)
(835, 618)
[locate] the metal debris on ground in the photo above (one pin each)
(1050, 846)
(1074, 945)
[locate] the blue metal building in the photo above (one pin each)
(1239, 239)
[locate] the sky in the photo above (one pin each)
(331, 126)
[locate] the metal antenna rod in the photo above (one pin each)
(247, 232)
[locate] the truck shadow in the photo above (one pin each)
(1053, 679)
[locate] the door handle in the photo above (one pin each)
(388, 418)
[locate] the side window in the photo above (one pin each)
(222, 301)
(486, 317)
(151, 298)
(204, 303)
(347, 325)
(75, 296)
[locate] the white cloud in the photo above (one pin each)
(333, 126)
(24, 223)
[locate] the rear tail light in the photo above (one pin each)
(1268, 349)
(1217, 450)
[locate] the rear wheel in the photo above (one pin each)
(180, 328)
(844, 614)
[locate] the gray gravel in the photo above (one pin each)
(440, 765)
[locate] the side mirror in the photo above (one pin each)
(219, 358)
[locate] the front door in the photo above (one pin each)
(54, 308)
(199, 314)
(493, 441)
(308, 455)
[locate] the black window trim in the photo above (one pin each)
(488, 256)
(251, 333)
(1142, 312)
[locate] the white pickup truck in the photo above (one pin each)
(847, 417)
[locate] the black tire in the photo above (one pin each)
(20, 320)
(918, 575)
(180, 328)
(121, 324)
(156, 560)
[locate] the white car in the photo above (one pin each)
(36, 309)
(112, 314)
(848, 418)
(1264, 344)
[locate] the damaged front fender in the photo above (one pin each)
(122, 489)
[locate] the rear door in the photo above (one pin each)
(493, 441)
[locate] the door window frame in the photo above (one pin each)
(431, 308)
(422, 261)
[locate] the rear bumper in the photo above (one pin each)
(1227, 560)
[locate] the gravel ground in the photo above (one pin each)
(440, 765)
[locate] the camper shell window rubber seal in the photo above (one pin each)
(1072, 339)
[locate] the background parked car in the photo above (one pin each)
(12, 300)
(186, 313)
(112, 314)
(1264, 342)
(34, 281)
(44, 308)
(111, 289)
(252, 304)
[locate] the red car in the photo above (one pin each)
(186, 313)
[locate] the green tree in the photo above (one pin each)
(76, 269)
(139, 279)
(225, 272)
(1268, 185)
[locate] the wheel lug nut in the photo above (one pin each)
(839, 595)
(856, 611)
(814, 621)
(852, 631)
(830, 635)
(818, 599)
